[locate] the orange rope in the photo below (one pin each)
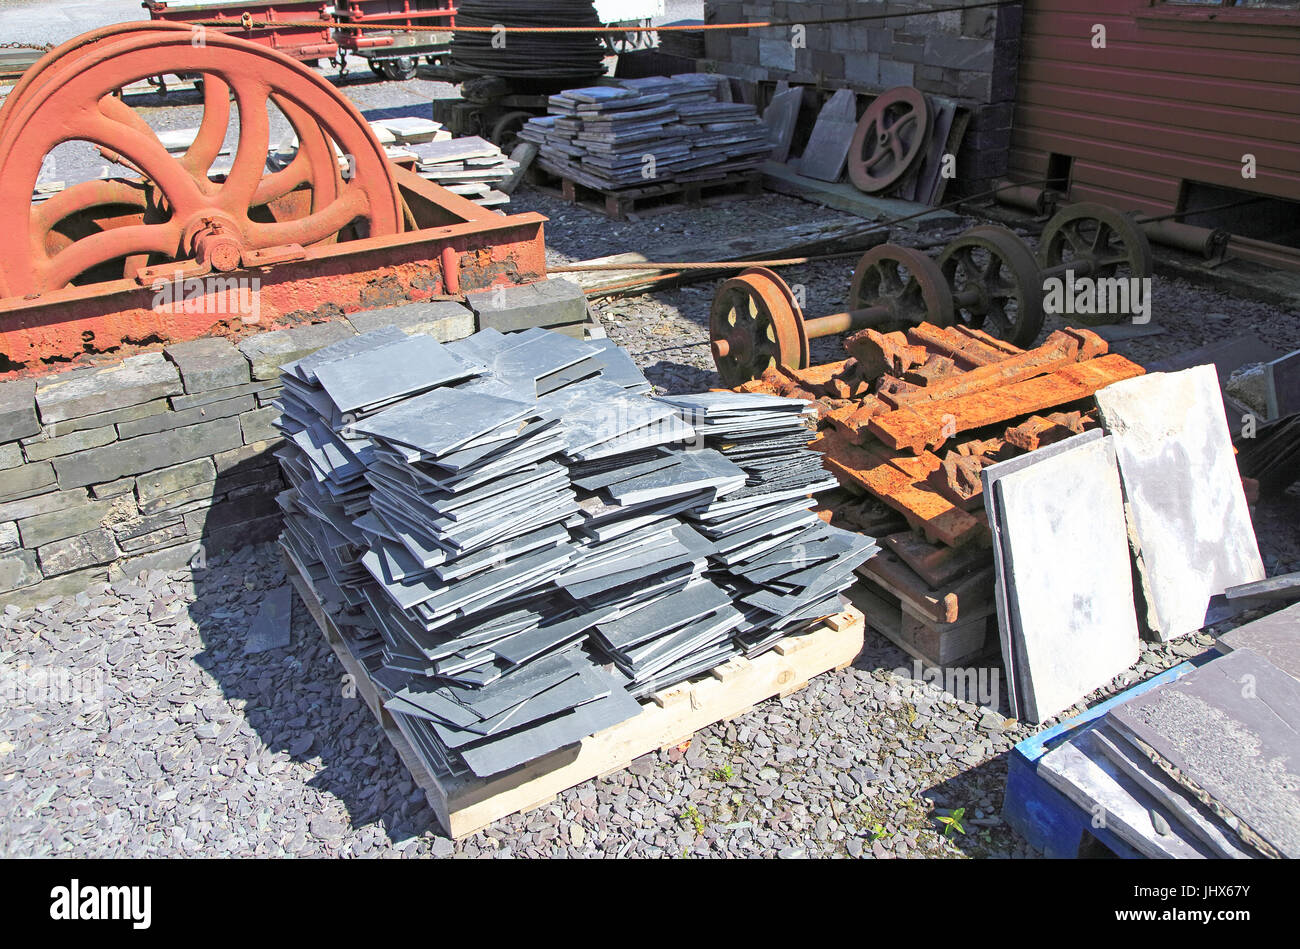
(758, 24)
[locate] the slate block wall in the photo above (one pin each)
(970, 56)
(142, 463)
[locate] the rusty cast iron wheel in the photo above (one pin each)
(906, 282)
(505, 130)
(175, 211)
(755, 325)
(889, 139)
(997, 267)
(1101, 236)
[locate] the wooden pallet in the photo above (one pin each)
(465, 805)
(647, 200)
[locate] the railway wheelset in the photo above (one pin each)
(986, 278)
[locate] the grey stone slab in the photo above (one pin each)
(8, 537)
(103, 419)
(18, 409)
(988, 477)
(18, 570)
(11, 456)
(1082, 773)
(516, 748)
(44, 528)
(444, 320)
(43, 449)
(781, 116)
(259, 425)
(148, 452)
(1276, 637)
(267, 352)
(52, 500)
(443, 420)
(1284, 587)
(1198, 819)
(828, 146)
(551, 302)
(165, 481)
(1187, 517)
(203, 413)
(272, 627)
(1061, 518)
(1282, 377)
(206, 364)
(76, 553)
(182, 402)
(254, 454)
(135, 380)
(174, 557)
(390, 372)
(26, 480)
(1232, 727)
(304, 370)
(112, 489)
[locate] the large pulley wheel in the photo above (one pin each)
(756, 324)
(889, 139)
(904, 281)
(174, 210)
(1096, 235)
(996, 268)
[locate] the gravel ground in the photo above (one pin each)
(186, 746)
(133, 724)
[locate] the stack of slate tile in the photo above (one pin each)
(1200, 766)
(471, 167)
(601, 137)
(536, 541)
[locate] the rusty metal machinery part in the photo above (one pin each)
(177, 212)
(756, 324)
(889, 139)
(903, 283)
(995, 282)
(1094, 240)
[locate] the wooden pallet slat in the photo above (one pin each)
(648, 199)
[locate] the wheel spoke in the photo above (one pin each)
(108, 245)
(84, 196)
(236, 194)
(205, 148)
(146, 153)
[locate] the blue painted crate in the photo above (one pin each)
(1044, 816)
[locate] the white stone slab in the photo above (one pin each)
(1188, 523)
(1066, 576)
(989, 476)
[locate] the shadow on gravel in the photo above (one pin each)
(294, 698)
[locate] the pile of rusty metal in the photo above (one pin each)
(907, 423)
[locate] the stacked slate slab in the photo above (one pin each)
(605, 137)
(1200, 766)
(471, 167)
(522, 541)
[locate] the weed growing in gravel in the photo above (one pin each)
(723, 774)
(692, 818)
(952, 821)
